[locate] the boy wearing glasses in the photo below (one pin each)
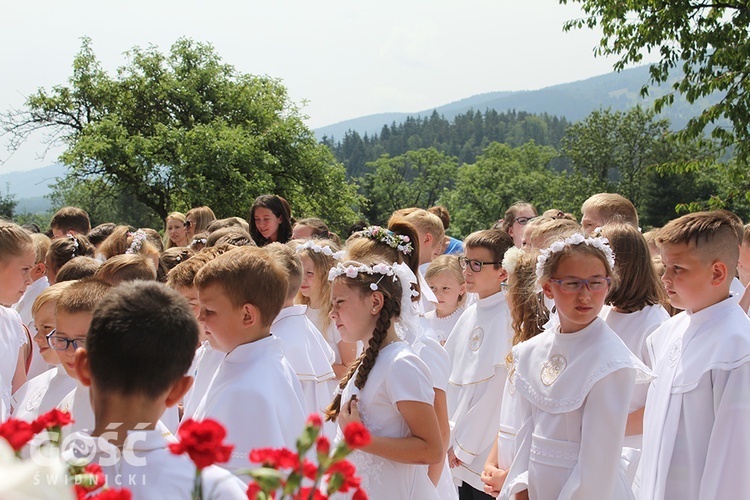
(478, 346)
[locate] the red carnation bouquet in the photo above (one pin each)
(88, 481)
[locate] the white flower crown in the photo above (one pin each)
(138, 238)
(510, 259)
(324, 249)
(384, 270)
(400, 242)
(573, 240)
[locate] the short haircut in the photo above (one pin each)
(291, 262)
(248, 275)
(41, 246)
(14, 241)
(425, 222)
(82, 296)
(183, 274)
(78, 268)
(50, 294)
(127, 267)
(714, 235)
(141, 341)
(228, 222)
(496, 241)
(612, 207)
(443, 214)
(71, 219)
(98, 234)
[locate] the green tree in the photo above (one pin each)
(501, 176)
(173, 131)
(414, 179)
(708, 41)
(8, 203)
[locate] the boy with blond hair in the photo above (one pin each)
(696, 441)
(603, 208)
(477, 346)
(254, 392)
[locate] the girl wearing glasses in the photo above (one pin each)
(175, 231)
(516, 217)
(45, 391)
(572, 384)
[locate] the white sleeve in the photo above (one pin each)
(409, 380)
(728, 457)
(602, 433)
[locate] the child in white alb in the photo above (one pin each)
(478, 346)
(573, 384)
(696, 441)
(447, 282)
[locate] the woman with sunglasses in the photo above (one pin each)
(175, 231)
(516, 217)
(197, 220)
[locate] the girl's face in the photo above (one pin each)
(15, 276)
(267, 223)
(44, 322)
(577, 309)
(353, 313)
(448, 290)
(177, 232)
(189, 227)
(309, 286)
(515, 230)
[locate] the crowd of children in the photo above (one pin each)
(537, 359)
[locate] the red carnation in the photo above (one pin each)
(309, 469)
(323, 446)
(356, 435)
(265, 456)
(314, 420)
(202, 441)
(53, 418)
(16, 432)
(252, 491)
(359, 494)
(93, 478)
(286, 459)
(347, 472)
(110, 494)
(304, 494)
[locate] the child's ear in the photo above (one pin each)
(462, 289)
(547, 291)
(719, 273)
(251, 315)
(502, 275)
(83, 370)
(377, 300)
(178, 391)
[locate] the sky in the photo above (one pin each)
(338, 59)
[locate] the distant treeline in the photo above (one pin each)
(465, 137)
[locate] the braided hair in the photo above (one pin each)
(390, 287)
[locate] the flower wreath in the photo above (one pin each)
(138, 238)
(400, 242)
(395, 270)
(324, 249)
(575, 239)
(511, 258)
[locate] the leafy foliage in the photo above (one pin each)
(173, 131)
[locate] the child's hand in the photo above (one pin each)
(349, 413)
(493, 479)
(453, 462)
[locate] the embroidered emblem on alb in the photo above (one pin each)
(675, 352)
(552, 369)
(476, 338)
(36, 399)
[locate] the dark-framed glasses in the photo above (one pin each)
(58, 343)
(474, 265)
(523, 220)
(572, 285)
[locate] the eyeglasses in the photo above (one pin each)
(474, 265)
(61, 343)
(571, 285)
(187, 224)
(523, 220)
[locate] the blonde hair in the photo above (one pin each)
(248, 275)
(126, 267)
(322, 264)
(121, 240)
(391, 310)
(50, 294)
(549, 230)
(82, 296)
(41, 246)
(447, 264)
(423, 221)
(612, 207)
(285, 256)
(203, 216)
(527, 311)
(178, 216)
(14, 241)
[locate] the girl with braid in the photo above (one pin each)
(388, 388)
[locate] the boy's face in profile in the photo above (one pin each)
(487, 281)
(191, 295)
(72, 326)
(590, 220)
(743, 265)
(688, 277)
(221, 321)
